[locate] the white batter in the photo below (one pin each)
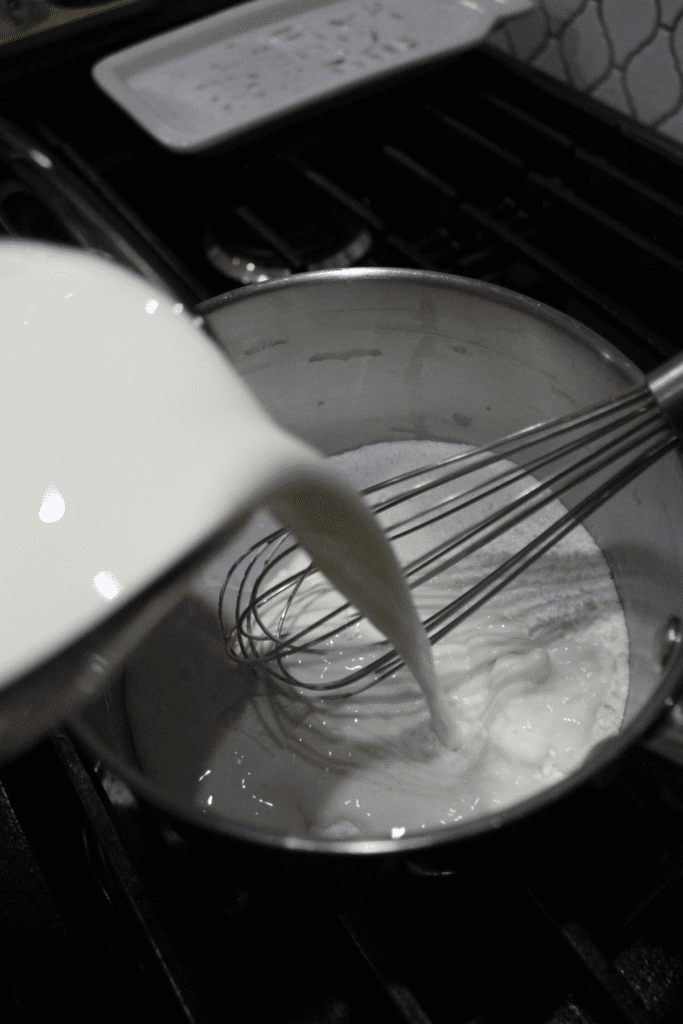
(533, 681)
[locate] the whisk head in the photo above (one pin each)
(491, 511)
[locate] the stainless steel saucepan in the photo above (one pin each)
(347, 358)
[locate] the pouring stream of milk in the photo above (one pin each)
(349, 547)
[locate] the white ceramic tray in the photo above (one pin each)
(214, 78)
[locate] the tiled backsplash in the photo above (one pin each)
(626, 53)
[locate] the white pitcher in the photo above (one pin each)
(129, 446)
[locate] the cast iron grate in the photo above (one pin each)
(576, 921)
(473, 170)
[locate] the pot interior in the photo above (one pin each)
(345, 359)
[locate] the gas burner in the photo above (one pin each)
(266, 265)
(283, 225)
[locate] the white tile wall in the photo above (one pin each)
(627, 54)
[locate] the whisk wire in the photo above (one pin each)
(490, 487)
(550, 489)
(511, 445)
(529, 554)
(607, 434)
(479, 594)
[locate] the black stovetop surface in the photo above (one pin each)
(105, 908)
(475, 168)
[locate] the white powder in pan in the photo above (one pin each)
(534, 680)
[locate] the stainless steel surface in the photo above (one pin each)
(667, 738)
(347, 358)
(666, 384)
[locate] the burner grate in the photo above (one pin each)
(555, 914)
(462, 170)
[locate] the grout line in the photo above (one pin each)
(614, 66)
(541, 46)
(679, 101)
(629, 98)
(611, 61)
(560, 39)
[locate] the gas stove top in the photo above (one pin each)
(476, 168)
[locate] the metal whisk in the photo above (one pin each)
(289, 620)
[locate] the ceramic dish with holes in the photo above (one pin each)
(215, 78)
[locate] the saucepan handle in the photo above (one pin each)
(666, 738)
